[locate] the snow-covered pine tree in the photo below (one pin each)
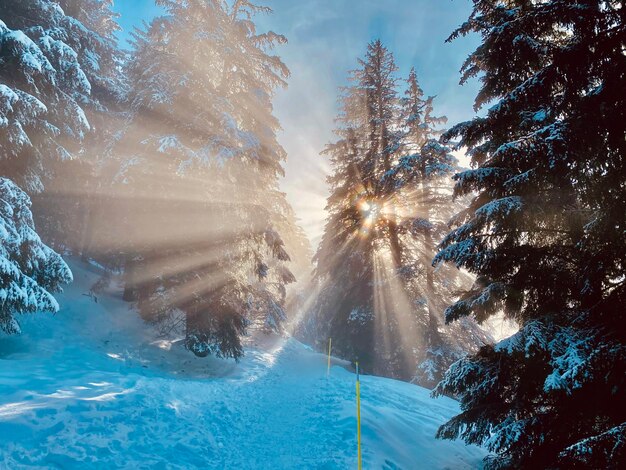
(29, 270)
(421, 182)
(199, 179)
(345, 260)
(42, 89)
(379, 297)
(545, 235)
(66, 212)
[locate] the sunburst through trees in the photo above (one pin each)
(200, 176)
(167, 163)
(379, 298)
(161, 165)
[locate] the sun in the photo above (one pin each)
(369, 211)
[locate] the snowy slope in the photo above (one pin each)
(92, 388)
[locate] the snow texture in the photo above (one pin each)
(29, 270)
(114, 396)
(610, 442)
(360, 315)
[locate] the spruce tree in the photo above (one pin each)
(29, 270)
(42, 90)
(68, 210)
(199, 176)
(545, 235)
(379, 297)
(421, 180)
(60, 112)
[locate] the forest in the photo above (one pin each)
(163, 296)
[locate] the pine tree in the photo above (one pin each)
(61, 65)
(42, 88)
(421, 178)
(29, 270)
(389, 202)
(545, 235)
(66, 211)
(199, 179)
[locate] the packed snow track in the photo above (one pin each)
(91, 387)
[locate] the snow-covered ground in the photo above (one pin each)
(92, 388)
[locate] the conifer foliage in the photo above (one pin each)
(65, 210)
(199, 176)
(60, 81)
(29, 270)
(45, 71)
(545, 235)
(42, 87)
(379, 297)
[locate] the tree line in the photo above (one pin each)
(163, 164)
(378, 296)
(539, 222)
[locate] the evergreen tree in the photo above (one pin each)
(199, 180)
(61, 64)
(545, 235)
(42, 88)
(389, 202)
(29, 270)
(421, 179)
(66, 211)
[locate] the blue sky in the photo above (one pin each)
(325, 39)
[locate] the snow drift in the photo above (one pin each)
(93, 387)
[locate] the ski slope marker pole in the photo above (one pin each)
(330, 344)
(358, 417)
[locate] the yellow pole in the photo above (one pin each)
(358, 417)
(330, 344)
